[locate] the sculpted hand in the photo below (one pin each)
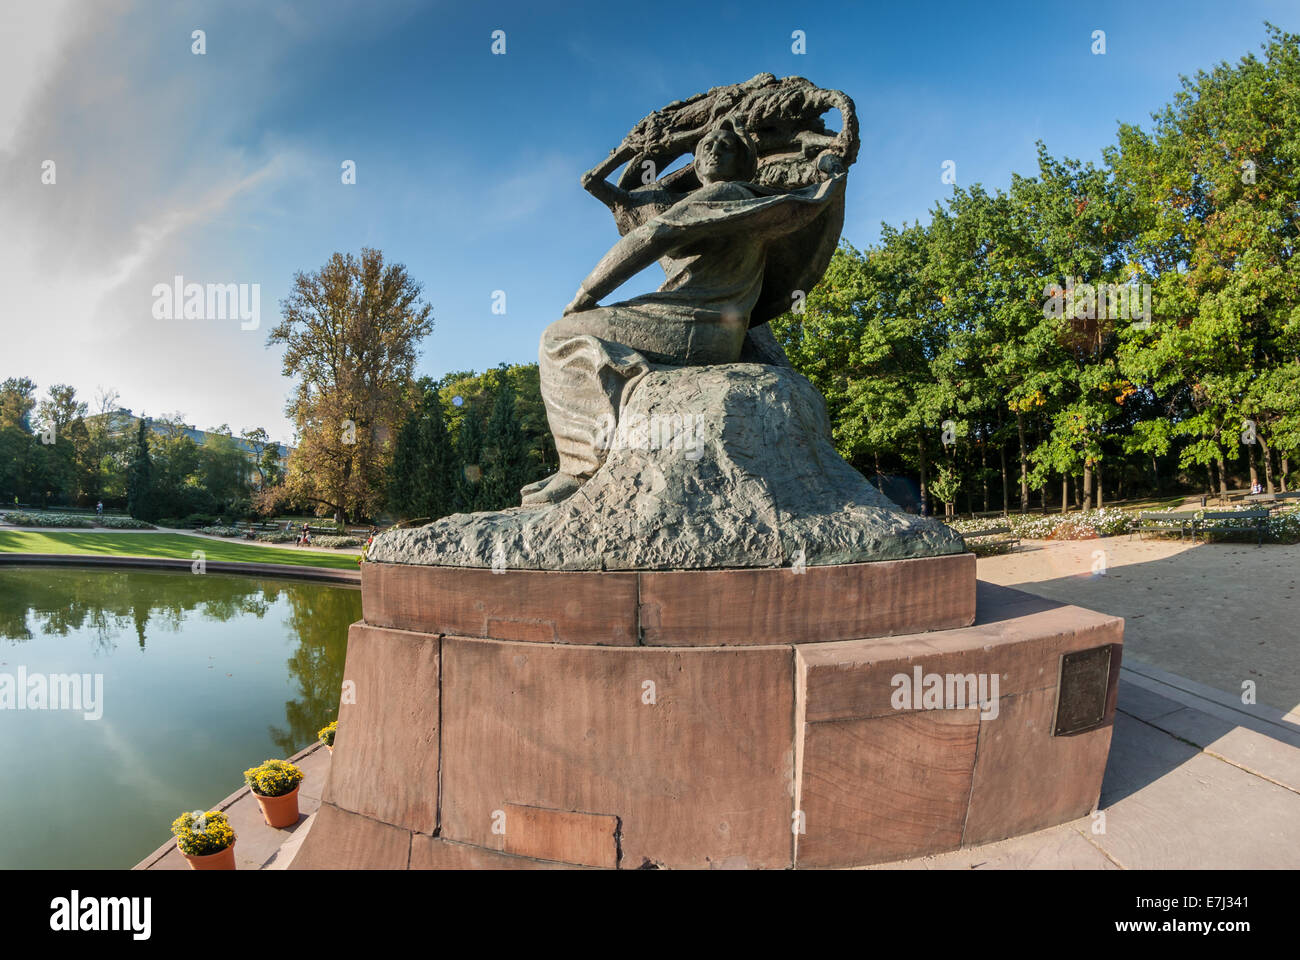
(830, 164)
(583, 301)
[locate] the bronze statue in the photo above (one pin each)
(686, 439)
(735, 251)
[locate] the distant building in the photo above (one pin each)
(123, 420)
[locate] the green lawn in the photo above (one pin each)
(175, 545)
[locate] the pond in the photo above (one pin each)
(187, 681)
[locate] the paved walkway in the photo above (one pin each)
(1221, 614)
(1194, 780)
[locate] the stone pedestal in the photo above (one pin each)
(708, 719)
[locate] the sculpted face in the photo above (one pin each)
(719, 157)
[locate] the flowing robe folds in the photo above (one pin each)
(713, 246)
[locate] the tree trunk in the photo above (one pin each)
(984, 471)
(1086, 499)
(1024, 466)
(1155, 472)
(920, 449)
(1286, 468)
(1223, 477)
(1101, 487)
(1267, 453)
(1038, 439)
(1002, 455)
(1210, 481)
(1065, 493)
(1250, 458)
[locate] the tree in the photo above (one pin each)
(139, 482)
(423, 476)
(505, 452)
(17, 398)
(469, 459)
(60, 425)
(265, 459)
(107, 452)
(1221, 216)
(224, 470)
(464, 391)
(350, 332)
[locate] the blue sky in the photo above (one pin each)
(225, 168)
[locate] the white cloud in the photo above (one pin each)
(33, 34)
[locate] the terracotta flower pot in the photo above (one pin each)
(280, 811)
(221, 860)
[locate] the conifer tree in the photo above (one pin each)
(139, 479)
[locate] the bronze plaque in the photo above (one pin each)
(1081, 690)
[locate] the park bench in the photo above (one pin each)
(1215, 520)
(1276, 501)
(1163, 523)
(998, 537)
(1229, 496)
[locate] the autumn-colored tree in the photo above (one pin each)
(351, 332)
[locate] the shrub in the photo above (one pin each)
(332, 541)
(326, 733)
(1108, 522)
(125, 523)
(273, 778)
(21, 519)
(199, 834)
(223, 531)
(1281, 527)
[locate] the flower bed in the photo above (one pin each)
(224, 531)
(1281, 527)
(20, 519)
(124, 523)
(329, 541)
(1107, 522)
(317, 540)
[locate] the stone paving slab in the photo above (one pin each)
(1059, 848)
(1205, 814)
(1188, 786)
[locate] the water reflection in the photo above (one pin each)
(57, 600)
(204, 675)
(317, 663)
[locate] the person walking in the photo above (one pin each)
(99, 510)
